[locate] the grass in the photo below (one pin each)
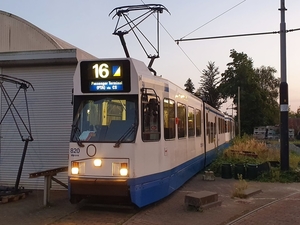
(296, 142)
(239, 188)
(247, 150)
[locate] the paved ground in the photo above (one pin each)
(276, 204)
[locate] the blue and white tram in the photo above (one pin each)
(136, 137)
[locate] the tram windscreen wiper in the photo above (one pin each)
(127, 133)
(76, 134)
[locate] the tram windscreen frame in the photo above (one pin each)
(104, 76)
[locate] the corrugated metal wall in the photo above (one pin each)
(50, 112)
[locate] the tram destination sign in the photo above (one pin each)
(105, 76)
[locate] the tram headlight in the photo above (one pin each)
(124, 169)
(75, 168)
(97, 162)
(120, 169)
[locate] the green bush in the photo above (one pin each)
(247, 150)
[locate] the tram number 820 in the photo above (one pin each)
(75, 150)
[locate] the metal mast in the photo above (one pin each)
(284, 103)
(20, 85)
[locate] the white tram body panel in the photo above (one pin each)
(141, 155)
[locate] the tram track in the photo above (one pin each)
(251, 213)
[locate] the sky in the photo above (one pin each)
(86, 24)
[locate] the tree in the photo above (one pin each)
(189, 86)
(293, 114)
(209, 81)
(298, 113)
(269, 86)
(258, 91)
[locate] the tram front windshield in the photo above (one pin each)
(104, 118)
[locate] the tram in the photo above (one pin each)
(137, 137)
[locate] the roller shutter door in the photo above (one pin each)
(50, 113)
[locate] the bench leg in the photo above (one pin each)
(47, 186)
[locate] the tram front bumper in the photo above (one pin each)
(98, 187)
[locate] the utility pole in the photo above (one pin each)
(231, 110)
(239, 110)
(284, 103)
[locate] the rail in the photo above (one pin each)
(48, 177)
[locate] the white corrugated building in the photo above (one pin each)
(48, 63)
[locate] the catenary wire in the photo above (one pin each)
(234, 35)
(214, 18)
(192, 32)
(174, 41)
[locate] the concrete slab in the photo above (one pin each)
(250, 192)
(202, 200)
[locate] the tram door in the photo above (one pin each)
(151, 123)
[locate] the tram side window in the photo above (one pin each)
(191, 122)
(212, 132)
(207, 128)
(169, 119)
(151, 122)
(181, 115)
(221, 124)
(198, 122)
(215, 127)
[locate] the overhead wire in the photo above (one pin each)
(174, 41)
(235, 35)
(193, 32)
(180, 48)
(214, 18)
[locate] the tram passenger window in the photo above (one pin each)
(181, 115)
(207, 128)
(169, 119)
(211, 132)
(222, 126)
(191, 122)
(215, 128)
(151, 122)
(198, 122)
